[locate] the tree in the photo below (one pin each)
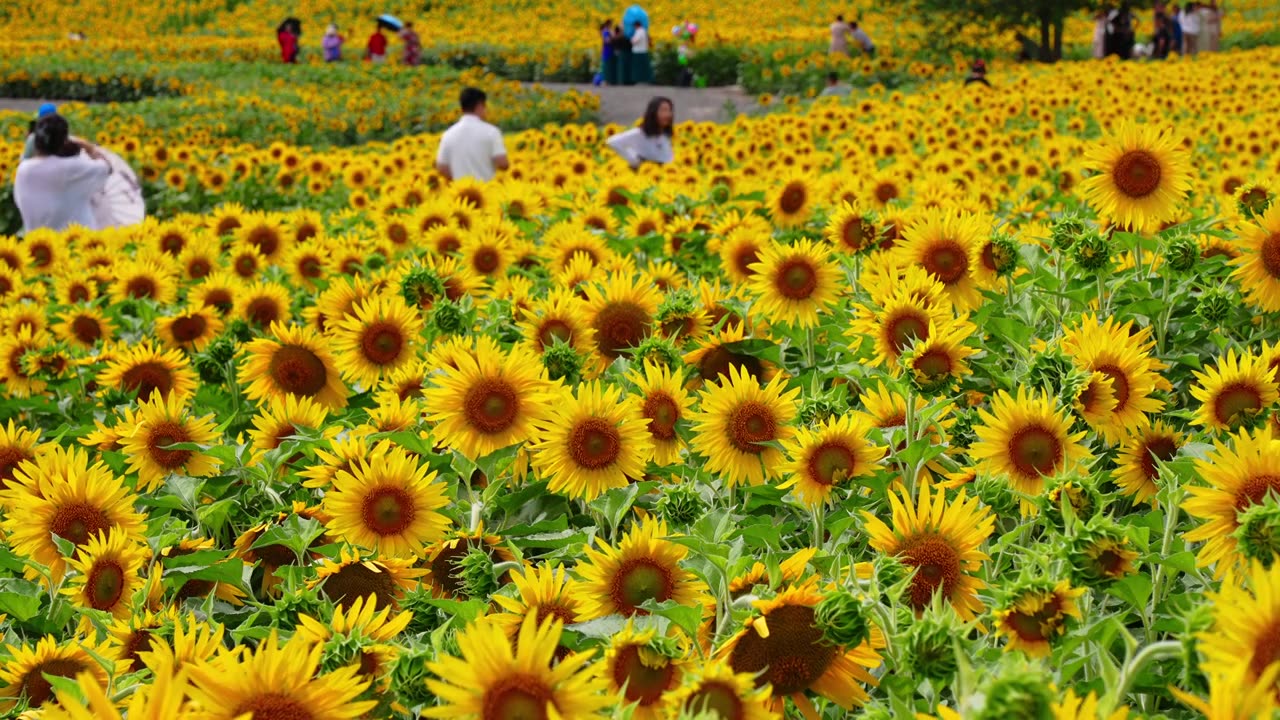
(949, 19)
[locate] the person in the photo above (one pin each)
(1121, 32)
(1190, 20)
(1162, 40)
(1210, 26)
(377, 49)
(834, 88)
(608, 58)
(472, 147)
(412, 45)
(1175, 30)
(53, 188)
(622, 55)
(288, 43)
(651, 142)
(684, 53)
(977, 74)
(840, 34)
(332, 44)
(1100, 34)
(29, 148)
(641, 65)
(861, 37)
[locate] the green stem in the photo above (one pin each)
(1152, 653)
(819, 525)
(1171, 514)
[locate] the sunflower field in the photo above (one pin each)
(939, 402)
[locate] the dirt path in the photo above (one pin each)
(625, 104)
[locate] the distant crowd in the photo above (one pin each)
(1187, 29)
(289, 37)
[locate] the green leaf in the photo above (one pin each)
(20, 599)
(212, 565)
(1134, 589)
(66, 548)
(464, 610)
(1182, 562)
(685, 617)
(296, 533)
(615, 503)
(66, 686)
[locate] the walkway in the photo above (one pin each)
(625, 104)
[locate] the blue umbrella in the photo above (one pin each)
(635, 15)
(391, 22)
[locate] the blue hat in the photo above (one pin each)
(47, 109)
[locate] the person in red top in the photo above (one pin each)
(377, 50)
(288, 45)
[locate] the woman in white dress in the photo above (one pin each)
(54, 188)
(652, 141)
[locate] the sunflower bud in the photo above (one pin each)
(1079, 492)
(562, 361)
(1099, 553)
(1004, 254)
(1258, 536)
(1049, 369)
(842, 619)
(997, 494)
(477, 575)
(409, 675)
(1066, 230)
(1021, 691)
(659, 351)
(1215, 306)
(421, 286)
(680, 504)
(449, 318)
(239, 331)
(1092, 252)
(931, 644)
(1182, 253)
(890, 570)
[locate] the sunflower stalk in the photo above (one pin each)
(1155, 652)
(819, 515)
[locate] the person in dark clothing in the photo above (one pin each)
(608, 56)
(977, 74)
(1162, 41)
(622, 55)
(1120, 36)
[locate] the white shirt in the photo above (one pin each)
(1190, 23)
(640, 40)
(635, 147)
(863, 39)
(54, 192)
(469, 147)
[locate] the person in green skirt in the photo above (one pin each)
(622, 55)
(641, 64)
(609, 59)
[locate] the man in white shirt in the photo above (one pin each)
(53, 189)
(1190, 20)
(472, 147)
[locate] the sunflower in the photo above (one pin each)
(143, 370)
(787, 650)
(644, 566)
(723, 351)
(24, 672)
(938, 360)
(946, 245)
(283, 419)
(664, 404)
(1095, 401)
(60, 493)
(639, 673)
(1258, 267)
(263, 303)
(1246, 612)
(373, 632)
(353, 576)
(792, 201)
(1036, 615)
(145, 280)
(621, 312)
(900, 322)
(191, 330)
(1026, 439)
(339, 455)
(939, 541)
(592, 441)
(487, 403)
(265, 233)
(1123, 356)
(542, 590)
(820, 460)
(158, 424)
(163, 697)
(108, 567)
(794, 283)
(519, 679)
(379, 337)
(736, 419)
(294, 361)
(1232, 696)
(18, 445)
(84, 327)
(740, 253)
(18, 379)
(1234, 392)
(714, 688)
(1073, 707)
(219, 291)
(1237, 477)
(852, 230)
(276, 681)
(199, 259)
(1138, 464)
(387, 503)
(251, 548)
(559, 318)
(1142, 176)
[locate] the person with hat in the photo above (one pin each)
(977, 74)
(29, 149)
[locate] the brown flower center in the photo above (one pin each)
(382, 343)
(751, 423)
(388, 510)
(357, 581)
(644, 684)
(796, 279)
(162, 435)
(620, 326)
(831, 462)
(518, 697)
(1254, 489)
(554, 330)
(1136, 173)
(40, 691)
(273, 706)
(594, 443)
(792, 658)
(637, 581)
(947, 261)
(662, 412)
(718, 699)
(105, 584)
(188, 328)
(140, 287)
(793, 198)
(937, 566)
(262, 311)
(86, 329)
(295, 369)
(491, 406)
(10, 458)
(1034, 451)
(1235, 402)
(1161, 448)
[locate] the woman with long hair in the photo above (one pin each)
(53, 188)
(652, 141)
